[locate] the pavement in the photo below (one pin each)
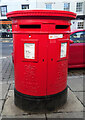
(74, 108)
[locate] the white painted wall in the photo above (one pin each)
(13, 5)
(74, 24)
(59, 5)
(56, 5)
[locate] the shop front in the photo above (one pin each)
(5, 29)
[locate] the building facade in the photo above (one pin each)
(76, 6)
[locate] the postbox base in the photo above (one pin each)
(43, 104)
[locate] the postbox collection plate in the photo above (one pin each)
(29, 50)
(63, 50)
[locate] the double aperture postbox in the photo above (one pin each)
(40, 46)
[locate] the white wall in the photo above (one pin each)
(13, 5)
(41, 4)
(59, 5)
(74, 26)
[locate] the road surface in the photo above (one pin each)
(6, 48)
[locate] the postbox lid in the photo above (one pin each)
(48, 13)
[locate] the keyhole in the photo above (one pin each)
(43, 60)
(51, 59)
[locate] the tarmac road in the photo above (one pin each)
(6, 47)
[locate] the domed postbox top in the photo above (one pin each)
(43, 13)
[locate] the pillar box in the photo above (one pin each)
(40, 50)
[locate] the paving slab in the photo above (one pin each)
(72, 109)
(72, 105)
(0, 66)
(0, 118)
(80, 96)
(3, 90)
(10, 110)
(13, 110)
(1, 104)
(12, 86)
(0, 77)
(65, 115)
(75, 83)
(26, 117)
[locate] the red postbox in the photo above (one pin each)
(40, 48)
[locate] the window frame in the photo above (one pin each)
(25, 5)
(48, 5)
(80, 26)
(68, 8)
(79, 9)
(78, 39)
(3, 11)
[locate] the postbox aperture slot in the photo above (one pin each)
(30, 26)
(61, 26)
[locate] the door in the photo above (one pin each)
(57, 64)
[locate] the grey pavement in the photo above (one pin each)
(76, 83)
(74, 108)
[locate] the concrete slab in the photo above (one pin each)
(72, 109)
(3, 90)
(80, 95)
(1, 104)
(9, 104)
(75, 83)
(12, 86)
(72, 105)
(65, 115)
(10, 110)
(26, 117)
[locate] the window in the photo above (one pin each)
(79, 6)
(3, 10)
(25, 7)
(49, 6)
(6, 29)
(78, 37)
(67, 6)
(80, 25)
